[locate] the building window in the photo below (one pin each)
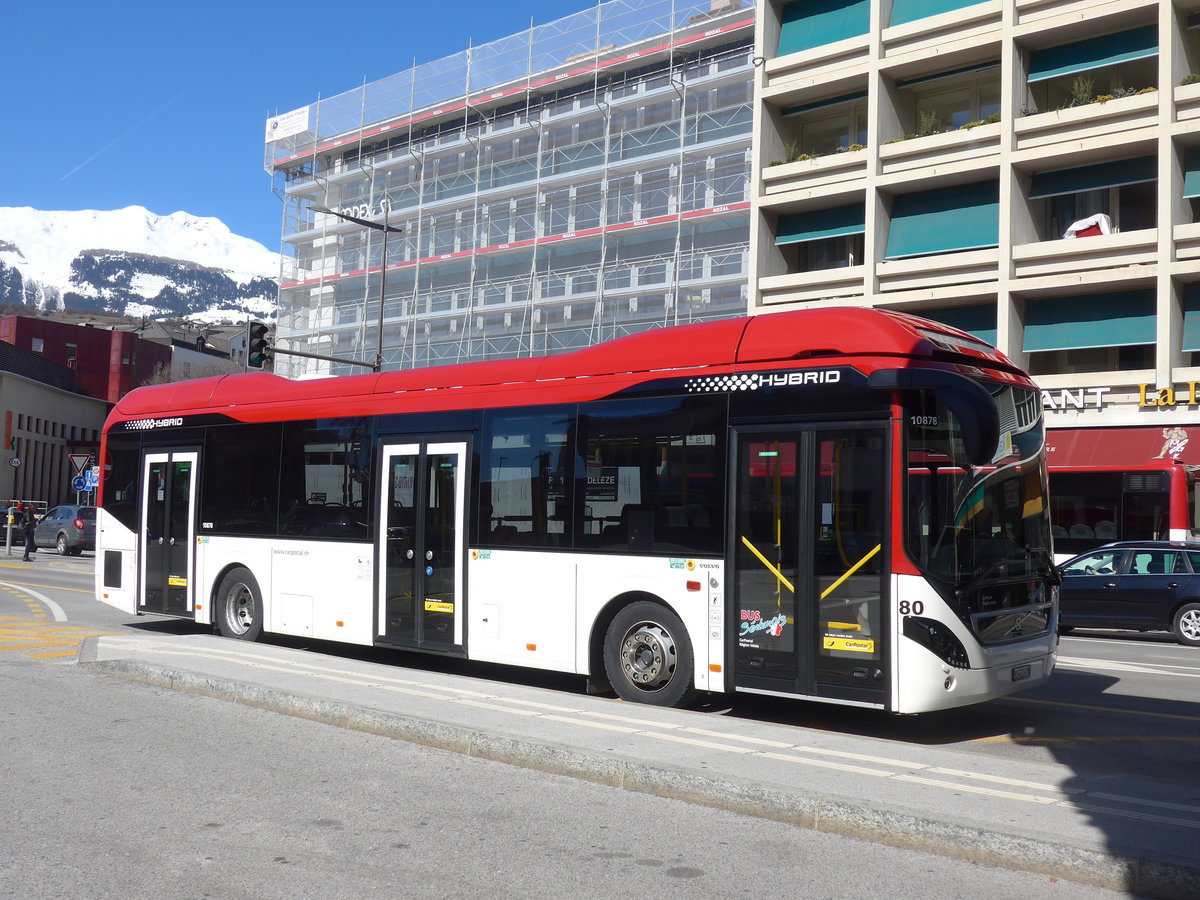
(821, 239)
(977, 320)
(948, 101)
(1124, 192)
(1105, 67)
(813, 23)
(1090, 333)
(1091, 359)
(1191, 181)
(826, 253)
(904, 11)
(37, 345)
(963, 217)
(956, 107)
(827, 126)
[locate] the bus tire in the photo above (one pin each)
(239, 606)
(648, 656)
(1186, 624)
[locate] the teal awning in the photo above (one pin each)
(1094, 177)
(819, 224)
(813, 23)
(966, 217)
(977, 320)
(1093, 320)
(1094, 53)
(1191, 173)
(910, 10)
(1191, 318)
(824, 104)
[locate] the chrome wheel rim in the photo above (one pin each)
(648, 656)
(239, 609)
(1189, 625)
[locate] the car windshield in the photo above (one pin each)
(87, 512)
(966, 524)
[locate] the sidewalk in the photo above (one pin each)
(1123, 834)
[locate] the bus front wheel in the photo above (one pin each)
(239, 606)
(647, 655)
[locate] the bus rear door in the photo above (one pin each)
(168, 532)
(809, 562)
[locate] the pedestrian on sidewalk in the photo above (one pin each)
(29, 520)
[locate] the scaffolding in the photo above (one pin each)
(577, 181)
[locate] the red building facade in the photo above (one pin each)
(107, 364)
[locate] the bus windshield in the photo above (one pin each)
(967, 525)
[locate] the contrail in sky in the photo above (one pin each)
(128, 131)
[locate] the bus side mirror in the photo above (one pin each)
(970, 402)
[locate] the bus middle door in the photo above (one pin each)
(168, 532)
(421, 544)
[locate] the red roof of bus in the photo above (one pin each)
(748, 343)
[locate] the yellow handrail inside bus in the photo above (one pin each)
(854, 568)
(774, 571)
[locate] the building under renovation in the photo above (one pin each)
(578, 181)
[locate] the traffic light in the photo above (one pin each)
(258, 351)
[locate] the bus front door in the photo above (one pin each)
(421, 545)
(169, 540)
(809, 562)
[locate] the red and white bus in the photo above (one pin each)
(843, 505)
(1121, 484)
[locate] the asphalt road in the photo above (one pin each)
(117, 789)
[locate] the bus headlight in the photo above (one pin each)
(938, 640)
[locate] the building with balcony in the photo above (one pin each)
(1027, 170)
(578, 181)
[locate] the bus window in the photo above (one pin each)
(240, 495)
(324, 480)
(655, 478)
(526, 479)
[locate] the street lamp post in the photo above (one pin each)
(386, 229)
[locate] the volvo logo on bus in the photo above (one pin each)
(755, 381)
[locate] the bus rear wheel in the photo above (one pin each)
(647, 655)
(239, 606)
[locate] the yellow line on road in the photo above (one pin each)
(1174, 717)
(52, 587)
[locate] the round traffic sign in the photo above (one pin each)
(78, 483)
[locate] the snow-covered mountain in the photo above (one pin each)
(135, 263)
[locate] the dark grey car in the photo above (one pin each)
(69, 528)
(1135, 585)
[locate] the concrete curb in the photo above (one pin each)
(1145, 878)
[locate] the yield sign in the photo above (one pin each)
(79, 461)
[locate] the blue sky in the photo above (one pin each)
(163, 104)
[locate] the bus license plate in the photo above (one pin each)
(1020, 673)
